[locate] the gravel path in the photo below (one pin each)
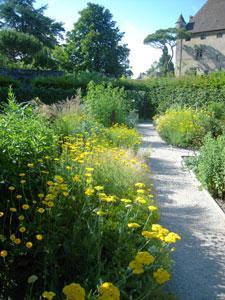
(199, 270)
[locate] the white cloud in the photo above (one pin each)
(141, 56)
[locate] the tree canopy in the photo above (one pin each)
(95, 43)
(21, 16)
(165, 39)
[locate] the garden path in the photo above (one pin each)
(199, 270)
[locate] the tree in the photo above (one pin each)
(94, 44)
(21, 16)
(153, 70)
(18, 46)
(165, 63)
(165, 39)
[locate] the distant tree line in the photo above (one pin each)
(29, 39)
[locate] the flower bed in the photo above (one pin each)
(81, 223)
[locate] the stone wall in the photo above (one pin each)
(202, 54)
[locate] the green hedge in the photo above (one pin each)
(149, 96)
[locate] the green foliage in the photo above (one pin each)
(183, 127)
(210, 165)
(17, 46)
(69, 214)
(24, 137)
(61, 57)
(94, 44)
(6, 81)
(106, 104)
(122, 136)
(79, 80)
(24, 17)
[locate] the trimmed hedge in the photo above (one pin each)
(149, 97)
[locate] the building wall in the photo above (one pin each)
(201, 55)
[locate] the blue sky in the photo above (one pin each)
(137, 18)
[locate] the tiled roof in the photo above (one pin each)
(210, 17)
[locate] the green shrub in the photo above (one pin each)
(24, 137)
(183, 127)
(210, 165)
(6, 81)
(122, 136)
(106, 104)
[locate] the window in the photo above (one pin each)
(203, 37)
(198, 53)
(219, 35)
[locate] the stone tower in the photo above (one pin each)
(204, 51)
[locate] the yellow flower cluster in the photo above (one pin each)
(161, 276)
(161, 233)
(74, 291)
(143, 258)
(108, 291)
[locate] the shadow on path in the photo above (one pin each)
(199, 270)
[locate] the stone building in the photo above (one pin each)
(204, 51)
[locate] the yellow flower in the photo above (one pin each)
(140, 185)
(89, 169)
(136, 267)
(156, 227)
(152, 208)
(22, 174)
(172, 238)
(17, 241)
(108, 291)
(149, 234)
(41, 210)
(22, 229)
(50, 183)
(45, 172)
(22, 181)
(50, 204)
(29, 245)
(11, 188)
(30, 165)
(66, 194)
(39, 237)
(74, 291)
(141, 200)
(1, 214)
(161, 276)
(88, 175)
(41, 195)
(144, 258)
(99, 188)
(25, 206)
(13, 209)
(3, 253)
(48, 295)
(126, 200)
(101, 213)
(89, 192)
(21, 218)
(12, 237)
(133, 225)
(18, 196)
(76, 178)
(59, 179)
